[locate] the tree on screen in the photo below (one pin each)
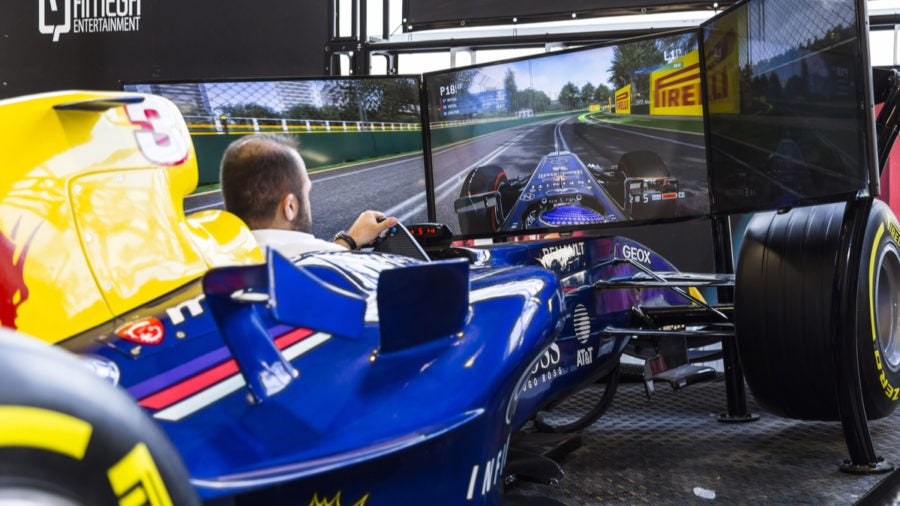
(389, 100)
(569, 96)
(602, 94)
(632, 64)
(249, 111)
(512, 90)
(533, 99)
(587, 94)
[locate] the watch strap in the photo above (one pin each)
(347, 238)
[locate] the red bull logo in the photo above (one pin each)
(13, 290)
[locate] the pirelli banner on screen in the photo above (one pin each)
(623, 100)
(96, 44)
(721, 46)
(675, 88)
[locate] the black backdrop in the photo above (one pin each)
(142, 40)
(425, 14)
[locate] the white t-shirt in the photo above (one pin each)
(291, 243)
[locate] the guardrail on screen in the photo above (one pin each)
(210, 125)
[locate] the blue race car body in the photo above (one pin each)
(362, 417)
(254, 401)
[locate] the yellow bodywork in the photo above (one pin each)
(92, 222)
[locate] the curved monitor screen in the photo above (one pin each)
(361, 138)
(570, 140)
(789, 116)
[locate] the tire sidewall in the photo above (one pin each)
(880, 382)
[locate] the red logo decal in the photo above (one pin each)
(13, 291)
(149, 331)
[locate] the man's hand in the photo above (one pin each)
(367, 227)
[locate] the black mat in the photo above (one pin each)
(672, 450)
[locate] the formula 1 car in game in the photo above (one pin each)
(563, 192)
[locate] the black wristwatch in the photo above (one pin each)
(344, 236)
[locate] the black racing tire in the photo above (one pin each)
(784, 316)
(643, 164)
(69, 437)
(484, 179)
(582, 408)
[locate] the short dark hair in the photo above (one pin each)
(255, 173)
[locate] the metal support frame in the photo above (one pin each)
(734, 371)
(456, 50)
(851, 408)
(353, 46)
(391, 60)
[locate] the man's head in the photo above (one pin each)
(264, 182)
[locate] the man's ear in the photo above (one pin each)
(289, 207)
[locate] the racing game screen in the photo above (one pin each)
(786, 88)
(570, 140)
(361, 138)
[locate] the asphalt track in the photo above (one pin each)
(518, 150)
(395, 186)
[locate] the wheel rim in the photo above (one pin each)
(887, 306)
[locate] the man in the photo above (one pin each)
(264, 182)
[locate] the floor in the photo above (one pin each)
(671, 449)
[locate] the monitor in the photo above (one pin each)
(591, 137)
(789, 104)
(361, 137)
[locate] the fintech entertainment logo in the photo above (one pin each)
(88, 16)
